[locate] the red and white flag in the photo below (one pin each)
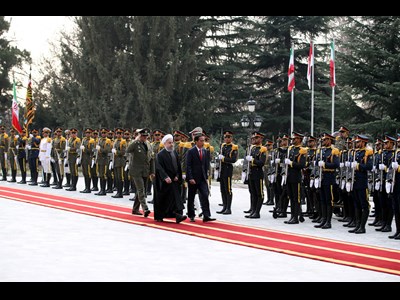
(15, 112)
(310, 64)
(291, 83)
(332, 65)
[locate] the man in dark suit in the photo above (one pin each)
(167, 192)
(197, 167)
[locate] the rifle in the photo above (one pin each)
(94, 159)
(373, 171)
(318, 182)
(381, 174)
(66, 152)
(352, 169)
(393, 169)
(284, 177)
(248, 152)
(220, 161)
(111, 165)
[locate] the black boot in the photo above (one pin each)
(4, 171)
(23, 180)
(327, 224)
(47, 177)
(223, 204)
(13, 176)
(119, 190)
(59, 183)
(323, 215)
(294, 212)
(364, 218)
(397, 221)
(357, 220)
(102, 191)
(126, 187)
(34, 178)
(95, 181)
(87, 186)
(228, 206)
(68, 176)
(74, 181)
(109, 185)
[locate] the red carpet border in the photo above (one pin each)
(345, 253)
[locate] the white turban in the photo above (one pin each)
(166, 138)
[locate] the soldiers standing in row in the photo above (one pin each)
(93, 166)
(4, 140)
(13, 140)
(73, 149)
(118, 153)
(86, 152)
(22, 155)
(57, 155)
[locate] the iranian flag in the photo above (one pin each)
(291, 71)
(15, 111)
(310, 64)
(332, 65)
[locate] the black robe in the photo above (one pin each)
(167, 197)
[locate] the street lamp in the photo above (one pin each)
(251, 119)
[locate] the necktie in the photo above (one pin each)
(201, 154)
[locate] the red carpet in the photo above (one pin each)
(339, 252)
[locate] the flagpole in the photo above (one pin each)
(333, 110)
(291, 111)
(312, 91)
(333, 82)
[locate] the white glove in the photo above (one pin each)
(341, 165)
(321, 164)
(277, 160)
(221, 157)
(17, 147)
(249, 158)
(67, 148)
(82, 147)
(395, 165)
(288, 161)
(17, 136)
(373, 169)
(78, 161)
(31, 135)
(98, 147)
(243, 176)
(5, 156)
(29, 147)
(183, 176)
(381, 167)
(114, 150)
(347, 164)
(52, 160)
(354, 165)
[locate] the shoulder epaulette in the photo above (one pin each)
(123, 142)
(303, 150)
(369, 152)
(263, 149)
(223, 144)
(211, 148)
(206, 145)
(188, 145)
(62, 139)
(78, 140)
(182, 144)
(5, 135)
(92, 141)
(49, 140)
(161, 145)
(335, 151)
(235, 147)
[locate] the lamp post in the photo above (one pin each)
(251, 121)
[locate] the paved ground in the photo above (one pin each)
(41, 244)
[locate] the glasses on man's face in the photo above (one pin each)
(227, 136)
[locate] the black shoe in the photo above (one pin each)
(151, 201)
(208, 219)
(247, 211)
(387, 228)
(292, 221)
(160, 220)
(22, 182)
(227, 212)
(86, 191)
(33, 183)
(254, 216)
(221, 211)
(137, 213)
(394, 235)
(180, 218)
(200, 215)
(192, 219)
(282, 215)
(94, 189)
(57, 187)
(146, 213)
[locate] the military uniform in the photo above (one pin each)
(226, 159)
(21, 155)
(156, 147)
(256, 161)
(375, 182)
(12, 156)
(57, 155)
(295, 162)
(73, 148)
(180, 139)
(93, 167)
(103, 148)
(313, 209)
(395, 169)
(269, 172)
(86, 154)
(4, 141)
(44, 156)
(118, 152)
(127, 178)
(67, 171)
(109, 171)
(328, 161)
(280, 189)
(140, 168)
(33, 146)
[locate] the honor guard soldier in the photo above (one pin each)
(256, 161)
(118, 153)
(328, 161)
(127, 178)
(44, 155)
(281, 196)
(21, 154)
(227, 157)
(57, 156)
(313, 209)
(12, 157)
(67, 172)
(4, 141)
(210, 153)
(386, 159)
(378, 148)
(141, 169)
(73, 148)
(93, 166)
(180, 138)
(86, 154)
(269, 172)
(156, 147)
(110, 173)
(33, 147)
(295, 162)
(341, 139)
(361, 165)
(396, 190)
(103, 148)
